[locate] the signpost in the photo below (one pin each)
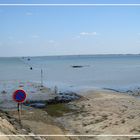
(19, 96)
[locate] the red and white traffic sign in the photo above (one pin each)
(19, 96)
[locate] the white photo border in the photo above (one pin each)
(70, 5)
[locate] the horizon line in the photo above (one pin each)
(91, 5)
(70, 55)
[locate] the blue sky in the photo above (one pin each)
(31, 31)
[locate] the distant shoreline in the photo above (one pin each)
(125, 54)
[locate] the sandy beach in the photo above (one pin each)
(96, 112)
(104, 113)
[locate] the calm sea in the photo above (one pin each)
(98, 71)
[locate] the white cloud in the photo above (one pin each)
(88, 33)
(85, 35)
(29, 14)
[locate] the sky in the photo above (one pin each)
(73, 30)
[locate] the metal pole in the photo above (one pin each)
(41, 78)
(21, 108)
(18, 112)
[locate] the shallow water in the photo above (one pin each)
(98, 71)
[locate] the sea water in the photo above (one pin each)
(96, 71)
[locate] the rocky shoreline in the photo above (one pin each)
(134, 91)
(60, 97)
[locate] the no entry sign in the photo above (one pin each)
(19, 96)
